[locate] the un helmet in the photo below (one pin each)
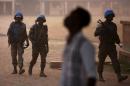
(18, 15)
(109, 12)
(41, 17)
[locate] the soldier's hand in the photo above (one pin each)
(120, 45)
(27, 44)
(47, 48)
(9, 41)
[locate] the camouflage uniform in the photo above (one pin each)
(16, 37)
(39, 37)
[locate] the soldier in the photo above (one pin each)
(39, 38)
(107, 33)
(17, 35)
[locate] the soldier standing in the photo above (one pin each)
(107, 33)
(17, 35)
(39, 38)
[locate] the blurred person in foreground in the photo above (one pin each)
(108, 36)
(79, 68)
(38, 36)
(17, 36)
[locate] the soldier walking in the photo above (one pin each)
(107, 33)
(38, 36)
(17, 35)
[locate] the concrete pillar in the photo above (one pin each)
(88, 5)
(111, 4)
(4, 7)
(13, 7)
(65, 8)
(42, 7)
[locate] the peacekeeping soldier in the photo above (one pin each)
(17, 35)
(38, 36)
(107, 33)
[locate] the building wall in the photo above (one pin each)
(96, 7)
(63, 7)
(28, 7)
(6, 7)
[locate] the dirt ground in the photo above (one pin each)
(57, 36)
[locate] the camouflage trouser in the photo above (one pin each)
(35, 52)
(17, 49)
(109, 50)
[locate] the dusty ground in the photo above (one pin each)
(57, 36)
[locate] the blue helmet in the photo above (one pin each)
(41, 17)
(18, 14)
(109, 12)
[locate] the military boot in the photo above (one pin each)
(101, 77)
(42, 74)
(122, 78)
(15, 70)
(30, 70)
(21, 71)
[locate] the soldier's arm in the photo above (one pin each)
(9, 29)
(99, 30)
(9, 33)
(26, 36)
(31, 31)
(117, 36)
(46, 40)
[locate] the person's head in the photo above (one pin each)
(76, 20)
(109, 15)
(41, 19)
(18, 17)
